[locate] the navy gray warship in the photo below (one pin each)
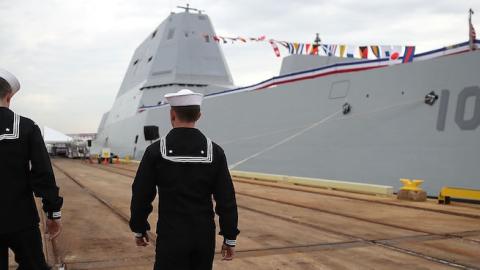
(368, 121)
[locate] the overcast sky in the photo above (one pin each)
(71, 55)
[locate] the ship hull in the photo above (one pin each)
(299, 128)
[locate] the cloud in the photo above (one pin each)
(71, 56)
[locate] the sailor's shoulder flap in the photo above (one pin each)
(12, 129)
(204, 156)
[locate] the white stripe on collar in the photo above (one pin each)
(185, 159)
(16, 129)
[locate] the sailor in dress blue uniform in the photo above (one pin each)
(25, 170)
(187, 169)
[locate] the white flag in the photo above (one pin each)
(351, 49)
(396, 52)
(397, 49)
(332, 49)
(386, 51)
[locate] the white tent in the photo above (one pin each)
(54, 136)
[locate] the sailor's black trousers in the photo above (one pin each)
(27, 247)
(188, 251)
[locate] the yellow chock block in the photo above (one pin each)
(106, 153)
(459, 193)
(411, 184)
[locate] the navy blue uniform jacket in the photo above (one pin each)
(187, 169)
(25, 170)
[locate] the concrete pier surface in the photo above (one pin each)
(283, 226)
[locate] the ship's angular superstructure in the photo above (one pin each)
(373, 121)
(175, 55)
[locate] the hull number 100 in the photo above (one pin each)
(463, 121)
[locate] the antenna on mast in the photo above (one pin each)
(188, 8)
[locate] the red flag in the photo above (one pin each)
(394, 56)
(307, 48)
(275, 48)
(409, 54)
(363, 51)
(216, 38)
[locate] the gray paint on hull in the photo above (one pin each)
(387, 136)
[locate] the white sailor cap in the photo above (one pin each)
(11, 80)
(184, 97)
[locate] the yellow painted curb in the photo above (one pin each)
(459, 193)
(317, 182)
(123, 160)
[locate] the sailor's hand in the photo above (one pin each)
(54, 227)
(228, 252)
(141, 239)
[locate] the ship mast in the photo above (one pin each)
(188, 8)
(317, 40)
(316, 43)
